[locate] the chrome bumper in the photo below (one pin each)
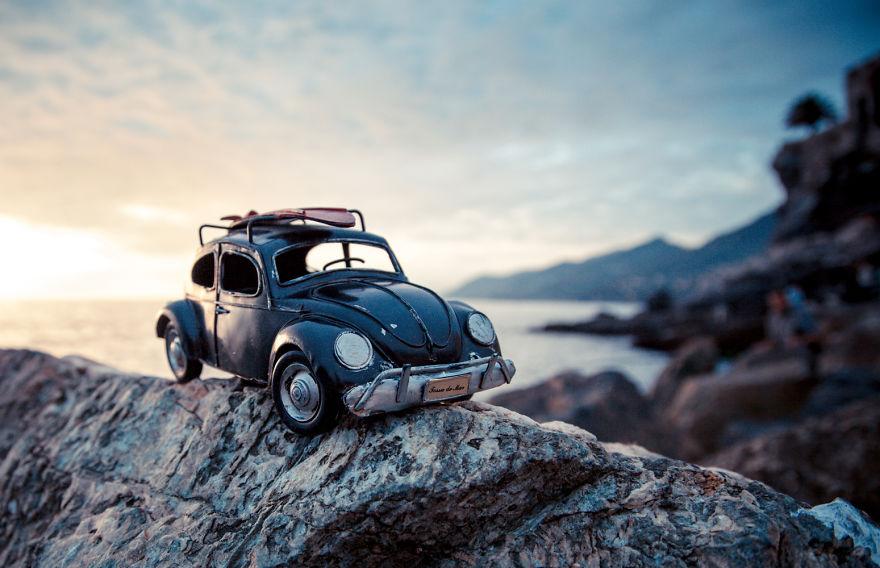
(396, 389)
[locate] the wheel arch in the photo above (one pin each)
(293, 338)
(315, 339)
(181, 314)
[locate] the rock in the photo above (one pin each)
(712, 411)
(852, 341)
(101, 468)
(670, 330)
(847, 521)
(841, 388)
(607, 404)
(817, 261)
(836, 455)
(697, 357)
(602, 324)
(831, 176)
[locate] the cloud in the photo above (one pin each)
(500, 134)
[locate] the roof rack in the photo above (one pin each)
(333, 216)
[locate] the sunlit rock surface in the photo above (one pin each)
(97, 466)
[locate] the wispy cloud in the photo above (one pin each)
(476, 135)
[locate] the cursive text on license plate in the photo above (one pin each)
(440, 389)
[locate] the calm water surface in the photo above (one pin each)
(120, 333)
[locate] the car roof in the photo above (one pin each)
(272, 238)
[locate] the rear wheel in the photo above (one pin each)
(304, 402)
(182, 365)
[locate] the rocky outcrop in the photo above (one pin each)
(672, 329)
(697, 357)
(836, 455)
(712, 411)
(100, 468)
(831, 176)
(607, 404)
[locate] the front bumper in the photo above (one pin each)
(396, 389)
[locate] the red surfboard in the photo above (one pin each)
(334, 216)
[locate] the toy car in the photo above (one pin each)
(302, 302)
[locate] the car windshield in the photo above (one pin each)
(300, 261)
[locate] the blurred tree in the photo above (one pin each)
(660, 301)
(810, 110)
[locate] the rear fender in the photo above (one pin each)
(181, 314)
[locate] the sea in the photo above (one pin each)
(120, 333)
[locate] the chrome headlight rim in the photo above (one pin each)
(343, 354)
(470, 328)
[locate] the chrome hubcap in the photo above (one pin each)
(176, 356)
(300, 394)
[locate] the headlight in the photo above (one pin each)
(353, 350)
(480, 328)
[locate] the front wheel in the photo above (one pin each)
(182, 366)
(304, 402)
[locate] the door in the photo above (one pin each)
(241, 306)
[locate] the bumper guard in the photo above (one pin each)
(396, 389)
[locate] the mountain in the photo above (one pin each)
(631, 274)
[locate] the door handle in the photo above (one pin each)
(220, 310)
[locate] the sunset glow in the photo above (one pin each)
(476, 137)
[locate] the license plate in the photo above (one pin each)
(440, 389)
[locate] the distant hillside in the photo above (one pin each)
(632, 274)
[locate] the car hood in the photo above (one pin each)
(410, 313)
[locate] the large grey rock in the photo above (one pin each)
(100, 468)
(607, 404)
(697, 357)
(835, 455)
(712, 411)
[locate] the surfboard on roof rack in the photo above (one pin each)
(333, 216)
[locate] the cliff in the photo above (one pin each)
(102, 468)
(831, 177)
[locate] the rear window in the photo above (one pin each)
(203, 271)
(300, 261)
(239, 274)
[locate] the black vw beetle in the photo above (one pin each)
(323, 314)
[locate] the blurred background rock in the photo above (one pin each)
(776, 365)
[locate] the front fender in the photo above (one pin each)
(315, 339)
(468, 345)
(182, 315)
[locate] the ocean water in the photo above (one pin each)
(120, 334)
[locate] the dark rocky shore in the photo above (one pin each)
(798, 409)
(765, 416)
(104, 468)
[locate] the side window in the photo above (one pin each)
(203, 271)
(238, 274)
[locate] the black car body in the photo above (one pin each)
(365, 339)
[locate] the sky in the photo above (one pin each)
(478, 137)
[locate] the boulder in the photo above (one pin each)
(852, 340)
(607, 404)
(102, 468)
(712, 411)
(697, 357)
(836, 455)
